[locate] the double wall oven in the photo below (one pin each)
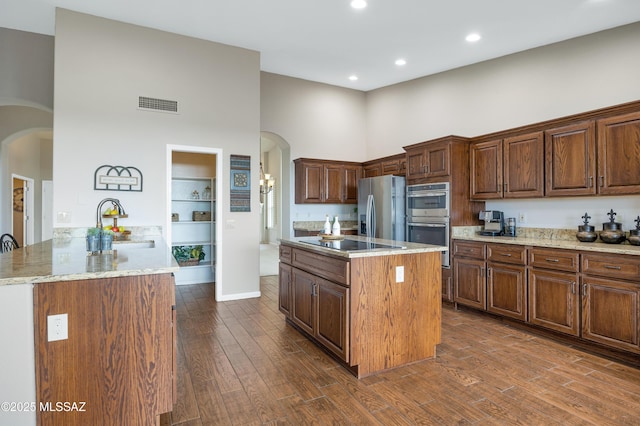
(428, 215)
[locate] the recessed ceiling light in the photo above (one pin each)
(400, 62)
(358, 4)
(473, 37)
(353, 77)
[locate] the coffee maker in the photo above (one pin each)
(493, 222)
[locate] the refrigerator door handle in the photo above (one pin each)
(371, 217)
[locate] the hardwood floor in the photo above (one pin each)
(240, 364)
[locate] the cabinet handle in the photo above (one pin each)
(584, 290)
(504, 186)
(573, 287)
(590, 181)
(488, 272)
(601, 181)
(617, 268)
(552, 260)
(506, 254)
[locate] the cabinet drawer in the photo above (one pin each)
(507, 253)
(333, 269)
(285, 254)
(561, 260)
(468, 249)
(611, 266)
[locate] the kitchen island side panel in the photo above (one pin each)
(394, 323)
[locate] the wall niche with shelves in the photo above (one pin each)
(193, 216)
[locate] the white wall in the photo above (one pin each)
(101, 68)
(317, 121)
(566, 78)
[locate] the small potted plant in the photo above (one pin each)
(106, 240)
(93, 240)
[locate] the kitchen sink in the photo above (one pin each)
(133, 244)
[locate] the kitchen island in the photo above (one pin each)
(372, 304)
(115, 365)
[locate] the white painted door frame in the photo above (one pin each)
(28, 209)
(218, 205)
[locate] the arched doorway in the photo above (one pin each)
(275, 158)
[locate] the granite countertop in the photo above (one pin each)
(409, 248)
(545, 237)
(315, 225)
(67, 259)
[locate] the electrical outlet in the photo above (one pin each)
(57, 327)
(399, 274)
(522, 218)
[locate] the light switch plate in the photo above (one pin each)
(57, 327)
(399, 274)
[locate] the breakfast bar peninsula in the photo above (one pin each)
(373, 304)
(90, 339)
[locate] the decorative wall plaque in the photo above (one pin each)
(117, 178)
(240, 197)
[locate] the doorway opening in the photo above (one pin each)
(194, 185)
(23, 203)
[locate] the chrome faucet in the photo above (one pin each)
(99, 215)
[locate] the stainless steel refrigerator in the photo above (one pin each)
(381, 207)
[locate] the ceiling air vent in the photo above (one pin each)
(154, 104)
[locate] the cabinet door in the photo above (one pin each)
(486, 170)
(524, 166)
(303, 310)
(447, 285)
(610, 310)
(390, 167)
(372, 170)
(332, 322)
(416, 163)
(570, 160)
(309, 182)
(351, 175)
(553, 301)
(506, 290)
(437, 159)
(619, 154)
(333, 184)
(469, 282)
(284, 293)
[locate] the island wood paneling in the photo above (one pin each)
(118, 358)
(394, 323)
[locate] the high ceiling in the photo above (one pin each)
(328, 41)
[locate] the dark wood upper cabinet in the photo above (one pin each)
(485, 161)
(326, 182)
(619, 154)
(570, 160)
(523, 174)
(509, 168)
(428, 160)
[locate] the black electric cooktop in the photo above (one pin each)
(353, 245)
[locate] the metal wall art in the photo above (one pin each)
(117, 178)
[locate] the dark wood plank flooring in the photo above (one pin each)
(240, 364)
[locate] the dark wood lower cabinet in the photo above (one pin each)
(284, 293)
(553, 301)
(469, 282)
(610, 312)
(358, 309)
(506, 290)
(332, 307)
(591, 296)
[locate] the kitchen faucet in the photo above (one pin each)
(115, 202)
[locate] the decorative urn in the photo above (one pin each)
(612, 232)
(634, 234)
(586, 233)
